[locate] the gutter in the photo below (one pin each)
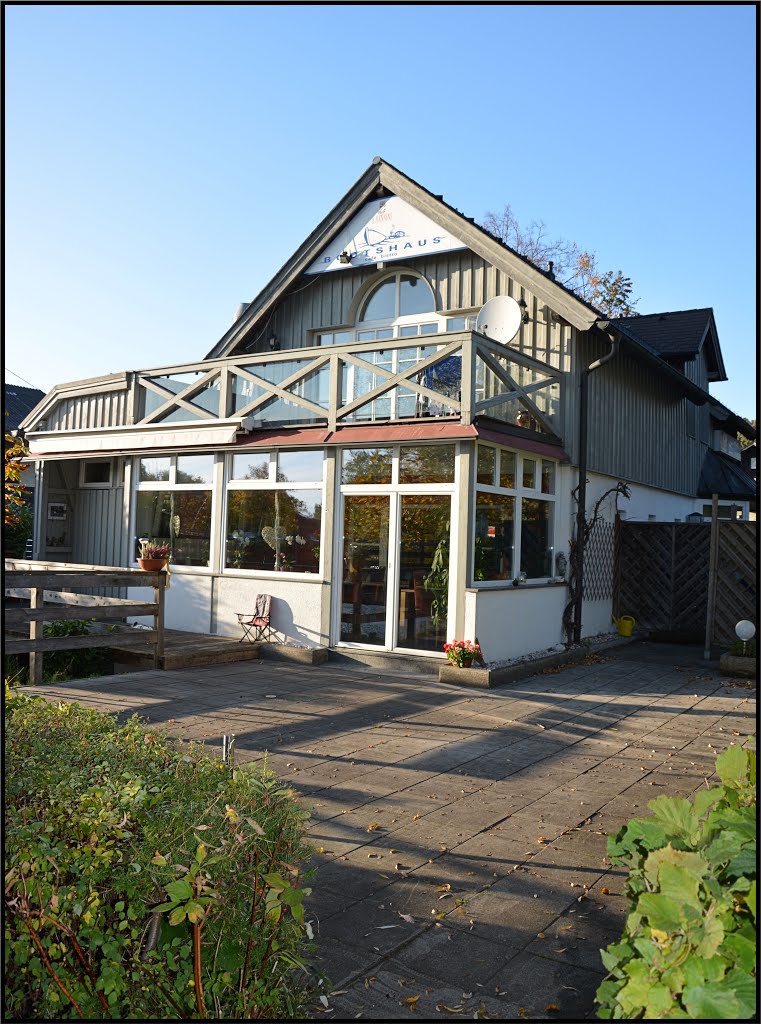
(615, 340)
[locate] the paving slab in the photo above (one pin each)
(459, 835)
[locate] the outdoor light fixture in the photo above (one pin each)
(524, 311)
(273, 342)
(745, 631)
(345, 257)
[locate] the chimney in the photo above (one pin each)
(240, 309)
(550, 271)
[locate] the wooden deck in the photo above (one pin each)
(184, 650)
(192, 650)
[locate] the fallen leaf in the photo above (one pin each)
(540, 935)
(373, 826)
(560, 950)
(444, 888)
(411, 1000)
(408, 918)
(605, 891)
(552, 1008)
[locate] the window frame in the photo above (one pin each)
(84, 484)
(172, 485)
(271, 483)
(518, 493)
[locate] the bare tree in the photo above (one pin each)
(574, 267)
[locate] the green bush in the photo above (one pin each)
(743, 648)
(689, 947)
(61, 666)
(145, 881)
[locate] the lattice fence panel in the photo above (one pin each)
(736, 582)
(689, 577)
(644, 573)
(599, 563)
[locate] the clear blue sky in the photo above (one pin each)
(163, 162)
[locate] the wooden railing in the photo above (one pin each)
(457, 374)
(51, 595)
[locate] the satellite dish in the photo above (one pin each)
(499, 319)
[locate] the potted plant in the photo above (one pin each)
(153, 555)
(462, 653)
(740, 660)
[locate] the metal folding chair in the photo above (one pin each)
(257, 627)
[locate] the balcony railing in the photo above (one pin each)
(447, 375)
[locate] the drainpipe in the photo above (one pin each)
(602, 325)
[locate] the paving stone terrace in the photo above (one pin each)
(459, 835)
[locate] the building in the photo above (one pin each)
(387, 440)
(18, 403)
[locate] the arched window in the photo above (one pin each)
(401, 306)
(399, 296)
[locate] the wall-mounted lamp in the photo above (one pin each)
(273, 343)
(524, 311)
(345, 257)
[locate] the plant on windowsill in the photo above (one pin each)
(462, 653)
(153, 555)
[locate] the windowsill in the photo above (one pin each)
(509, 585)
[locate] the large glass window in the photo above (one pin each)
(179, 518)
(426, 464)
(399, 296)
(270, 526)
(536, 538)
(514, 520)
(493, 551)
(173, 505)
(273, 530)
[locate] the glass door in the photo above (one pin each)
(423, 573)
(364, 585)
(395, 572)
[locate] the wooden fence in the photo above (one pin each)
(52, 597)
(663, 578)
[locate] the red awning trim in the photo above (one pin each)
(354, 434)
(524, 444)
(386, 433)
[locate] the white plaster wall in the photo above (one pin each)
(202, 603)
(296, 607)
(666, 506)
(515, 621)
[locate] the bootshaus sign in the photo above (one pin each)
(383, 230)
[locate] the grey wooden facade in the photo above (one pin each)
(649, 422)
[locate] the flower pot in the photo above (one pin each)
(151, 564)
(466, 663)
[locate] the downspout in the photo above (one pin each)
(602, 325)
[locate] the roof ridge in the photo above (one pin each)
(666, 312)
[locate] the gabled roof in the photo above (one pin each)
(19, 402)
(679, 334)
(383, 175)
(725, 476)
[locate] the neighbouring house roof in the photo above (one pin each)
(725, 476)
(19, 402)
(678, 334)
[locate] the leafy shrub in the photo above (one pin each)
(743, 648)
(143, 881)
(689, 947)
(60, 666)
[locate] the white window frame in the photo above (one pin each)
(172, 485)
(98, 484)
(271, 483)
(517, 493)
(394, 490)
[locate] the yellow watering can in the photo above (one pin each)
(624, 625)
